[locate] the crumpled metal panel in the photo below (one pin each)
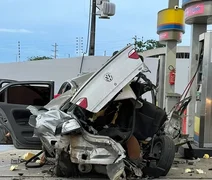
(45, 126)
(97, 149)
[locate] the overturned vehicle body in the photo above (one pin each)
(102, 125)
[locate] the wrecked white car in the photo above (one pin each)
(102, 125)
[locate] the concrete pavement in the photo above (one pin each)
(9, 152)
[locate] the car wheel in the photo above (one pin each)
(164, 149)
(163, 154)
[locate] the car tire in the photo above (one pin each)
(167, 155)
(64, 167)
(164, 151)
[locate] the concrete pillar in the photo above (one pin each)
(173, 3)
(170, 27)
(161, 82)
(170, 59)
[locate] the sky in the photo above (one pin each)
(39, 24)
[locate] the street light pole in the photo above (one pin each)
(93, 30)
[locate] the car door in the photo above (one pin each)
(4, 82)
(15, 97)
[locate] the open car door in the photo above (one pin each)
(15, 97)
(4, 82)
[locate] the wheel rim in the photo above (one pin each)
(157, 150)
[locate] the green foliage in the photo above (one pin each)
(142, 45)
(38, 58)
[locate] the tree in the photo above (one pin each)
(38, 58)
(142, 45)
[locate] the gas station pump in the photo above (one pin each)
(202, 141)
(203, 104)
(197, 124)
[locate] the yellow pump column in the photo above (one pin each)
(170, 27)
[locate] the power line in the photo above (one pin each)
(71, 44)
(55, 50)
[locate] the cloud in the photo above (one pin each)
(4, 30)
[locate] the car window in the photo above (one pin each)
(2, 96)
(62, 88)
(38, 95)
(68, 87)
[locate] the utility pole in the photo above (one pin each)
(93, 30)
(79, 45)
(19, 51)
(55, 50)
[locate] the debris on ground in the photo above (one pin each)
(182, 168)
(13, 167)
(206, 156)
(15, 161)
(190, 163)
(185, 161)
(200, 171)
(12, 154)
(28, 156)
(197, 171)
(189, 170)
(179, 161)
